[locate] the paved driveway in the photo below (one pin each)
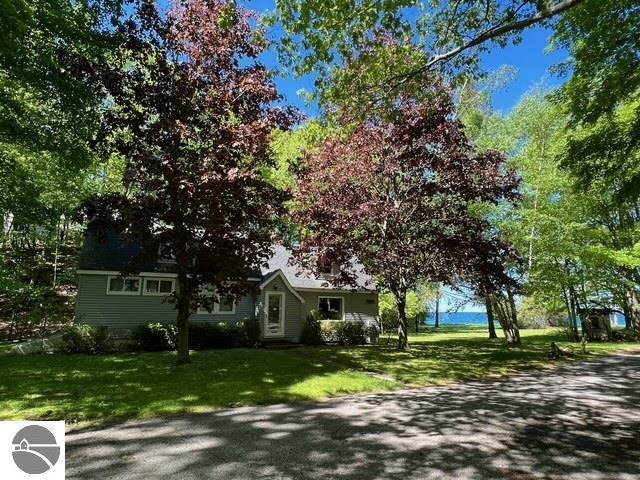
(581, 421)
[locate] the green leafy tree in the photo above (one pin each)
(578, 239)
(387, 45)
(603, 92)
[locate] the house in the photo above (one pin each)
(283, 298)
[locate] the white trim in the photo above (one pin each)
(117, 273)
(341, 319)
(124, 279)
(159, 279)
(233, 308)
(281, 333)
(143, 274)
(279, 273)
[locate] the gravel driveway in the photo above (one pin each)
(580, 421)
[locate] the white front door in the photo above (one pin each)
(274, 314)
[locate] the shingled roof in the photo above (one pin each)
(282, 260)
(109, 252)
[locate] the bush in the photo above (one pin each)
(348, 333)
(534, 313)
(252, 331)
(311, 330)
(83, 338)
(155, 337)
(351, 333)
(205, 336)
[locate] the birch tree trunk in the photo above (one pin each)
(401, 302)
(503, 306)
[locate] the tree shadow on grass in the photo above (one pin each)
(117, 387)
(438, 362)
(580, 421)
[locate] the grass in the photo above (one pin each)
(99, 389)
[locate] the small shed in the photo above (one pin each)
(596, 324)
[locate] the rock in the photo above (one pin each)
(52, 344)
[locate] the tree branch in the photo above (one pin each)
(497, 30)
(494, 32)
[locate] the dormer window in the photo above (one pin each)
(165, 255)
(326, 268)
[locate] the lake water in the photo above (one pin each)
(459, 318)
(480, 318)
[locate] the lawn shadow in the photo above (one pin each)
(579, 421)
(110, 388)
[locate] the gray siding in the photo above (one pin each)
(124, 312)
(292, 311)
(245, 308)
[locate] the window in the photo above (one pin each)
(330, 308)
(165, 254)
(159, 286)
(324, 266)
(123, 285)
(224, 306)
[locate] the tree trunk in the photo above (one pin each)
(634, 310)
(627, 314)
(182, 304)
(401, 302)
(492, 327)
(575, 309)
(504, 308)
(514, 332)
(437, 313)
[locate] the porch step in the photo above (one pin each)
(280, 345)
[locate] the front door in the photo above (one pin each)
(274, 314)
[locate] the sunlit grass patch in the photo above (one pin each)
(100, 389)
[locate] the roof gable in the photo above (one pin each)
(278, 274)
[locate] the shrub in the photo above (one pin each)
(252, 331)
(348, 333)
(205, 336)
(351, 333)
(155, 337)
(311, 330)
(83, 338)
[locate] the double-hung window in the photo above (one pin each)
(158, 286)
(331, 308)
(117, 285)
(224, 305)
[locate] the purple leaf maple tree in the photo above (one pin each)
(191, 110)
(400, 193)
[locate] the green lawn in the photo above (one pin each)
(99, 389)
